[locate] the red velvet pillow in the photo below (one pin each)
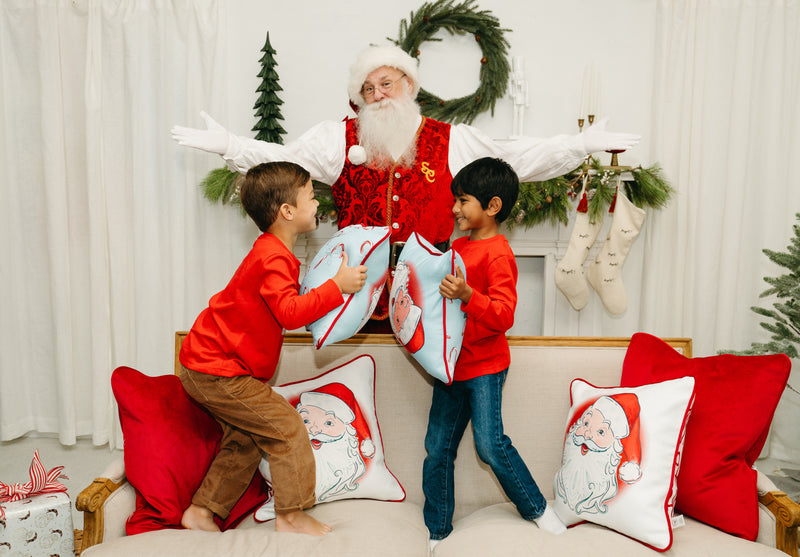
(170, 442)
(735, 400)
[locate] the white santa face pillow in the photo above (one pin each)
(364, 245)
(621, 455)
(338, 408)
(430, 326)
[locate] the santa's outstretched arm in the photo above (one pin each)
(534, 158)
(320, 150)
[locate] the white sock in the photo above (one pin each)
(570, 278)
(433, 543)
(605, 274)
(549, 522)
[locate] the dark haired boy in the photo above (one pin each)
(232, 351)
(485, 191)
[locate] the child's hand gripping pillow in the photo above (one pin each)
(364, 245)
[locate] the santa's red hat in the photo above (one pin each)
(339, 399)
(373, 58)
(334, 397)
(621, 411)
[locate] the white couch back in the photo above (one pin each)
(535, 402)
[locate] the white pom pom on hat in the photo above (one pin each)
(372, 58)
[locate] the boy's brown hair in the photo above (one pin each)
(269, 185)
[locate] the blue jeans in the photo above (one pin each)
(451, 409)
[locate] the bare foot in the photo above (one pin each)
(300, 522)
(199, 518)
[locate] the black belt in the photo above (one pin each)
(397, 247)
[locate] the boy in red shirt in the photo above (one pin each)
(233, 347)
(485, 191)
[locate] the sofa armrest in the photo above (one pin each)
(92, 502)
(786, 513)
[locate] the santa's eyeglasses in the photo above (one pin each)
(368, 91)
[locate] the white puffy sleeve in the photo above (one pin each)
(320, 150)
(533, 159)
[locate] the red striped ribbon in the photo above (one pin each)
(41, 482)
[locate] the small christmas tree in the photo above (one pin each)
(784, 319)
(221, 184)
(268, 104)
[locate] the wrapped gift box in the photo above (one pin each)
(38, 525)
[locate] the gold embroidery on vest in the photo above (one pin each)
(430, 174)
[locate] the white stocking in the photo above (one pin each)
(605, 274)
(570, 278)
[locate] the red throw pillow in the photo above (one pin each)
(170, 442)
(735, 400)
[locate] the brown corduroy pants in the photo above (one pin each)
(255, 421)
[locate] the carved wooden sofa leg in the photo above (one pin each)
(90, 502)
(787, 515)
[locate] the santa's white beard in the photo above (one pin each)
(339, 465)
(387, 131)
(586, 481)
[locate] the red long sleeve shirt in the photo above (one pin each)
(492, 273)
(241, 331)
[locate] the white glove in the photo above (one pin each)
(596, 138)
(213, 139)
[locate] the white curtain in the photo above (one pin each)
(726, 128)
(107, 245)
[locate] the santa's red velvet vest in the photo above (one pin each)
(406, 200)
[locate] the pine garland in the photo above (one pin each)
(551, 201)
(219, 186)
(460, 19)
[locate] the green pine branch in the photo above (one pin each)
(783, 318)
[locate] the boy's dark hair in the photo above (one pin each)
(487, 178)
(269, 185)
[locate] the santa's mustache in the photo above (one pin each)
(323, 437)
(590, 444)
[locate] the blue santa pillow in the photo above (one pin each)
(430, 326)
(364, 245)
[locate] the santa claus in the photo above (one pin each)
(389, 165)
(328, 413)
(600, 450)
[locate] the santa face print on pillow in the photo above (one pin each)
(428, 325)
(601, 452)
(405, 314)
(340, 449)
(620, 460)
(338, 410)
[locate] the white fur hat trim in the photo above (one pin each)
(373, 58)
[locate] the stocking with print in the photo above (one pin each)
(605, 273)
(570, 278)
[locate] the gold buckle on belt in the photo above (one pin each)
(394, 253)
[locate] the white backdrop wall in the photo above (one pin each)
(109, 247)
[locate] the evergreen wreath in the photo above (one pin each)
(460, 19)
